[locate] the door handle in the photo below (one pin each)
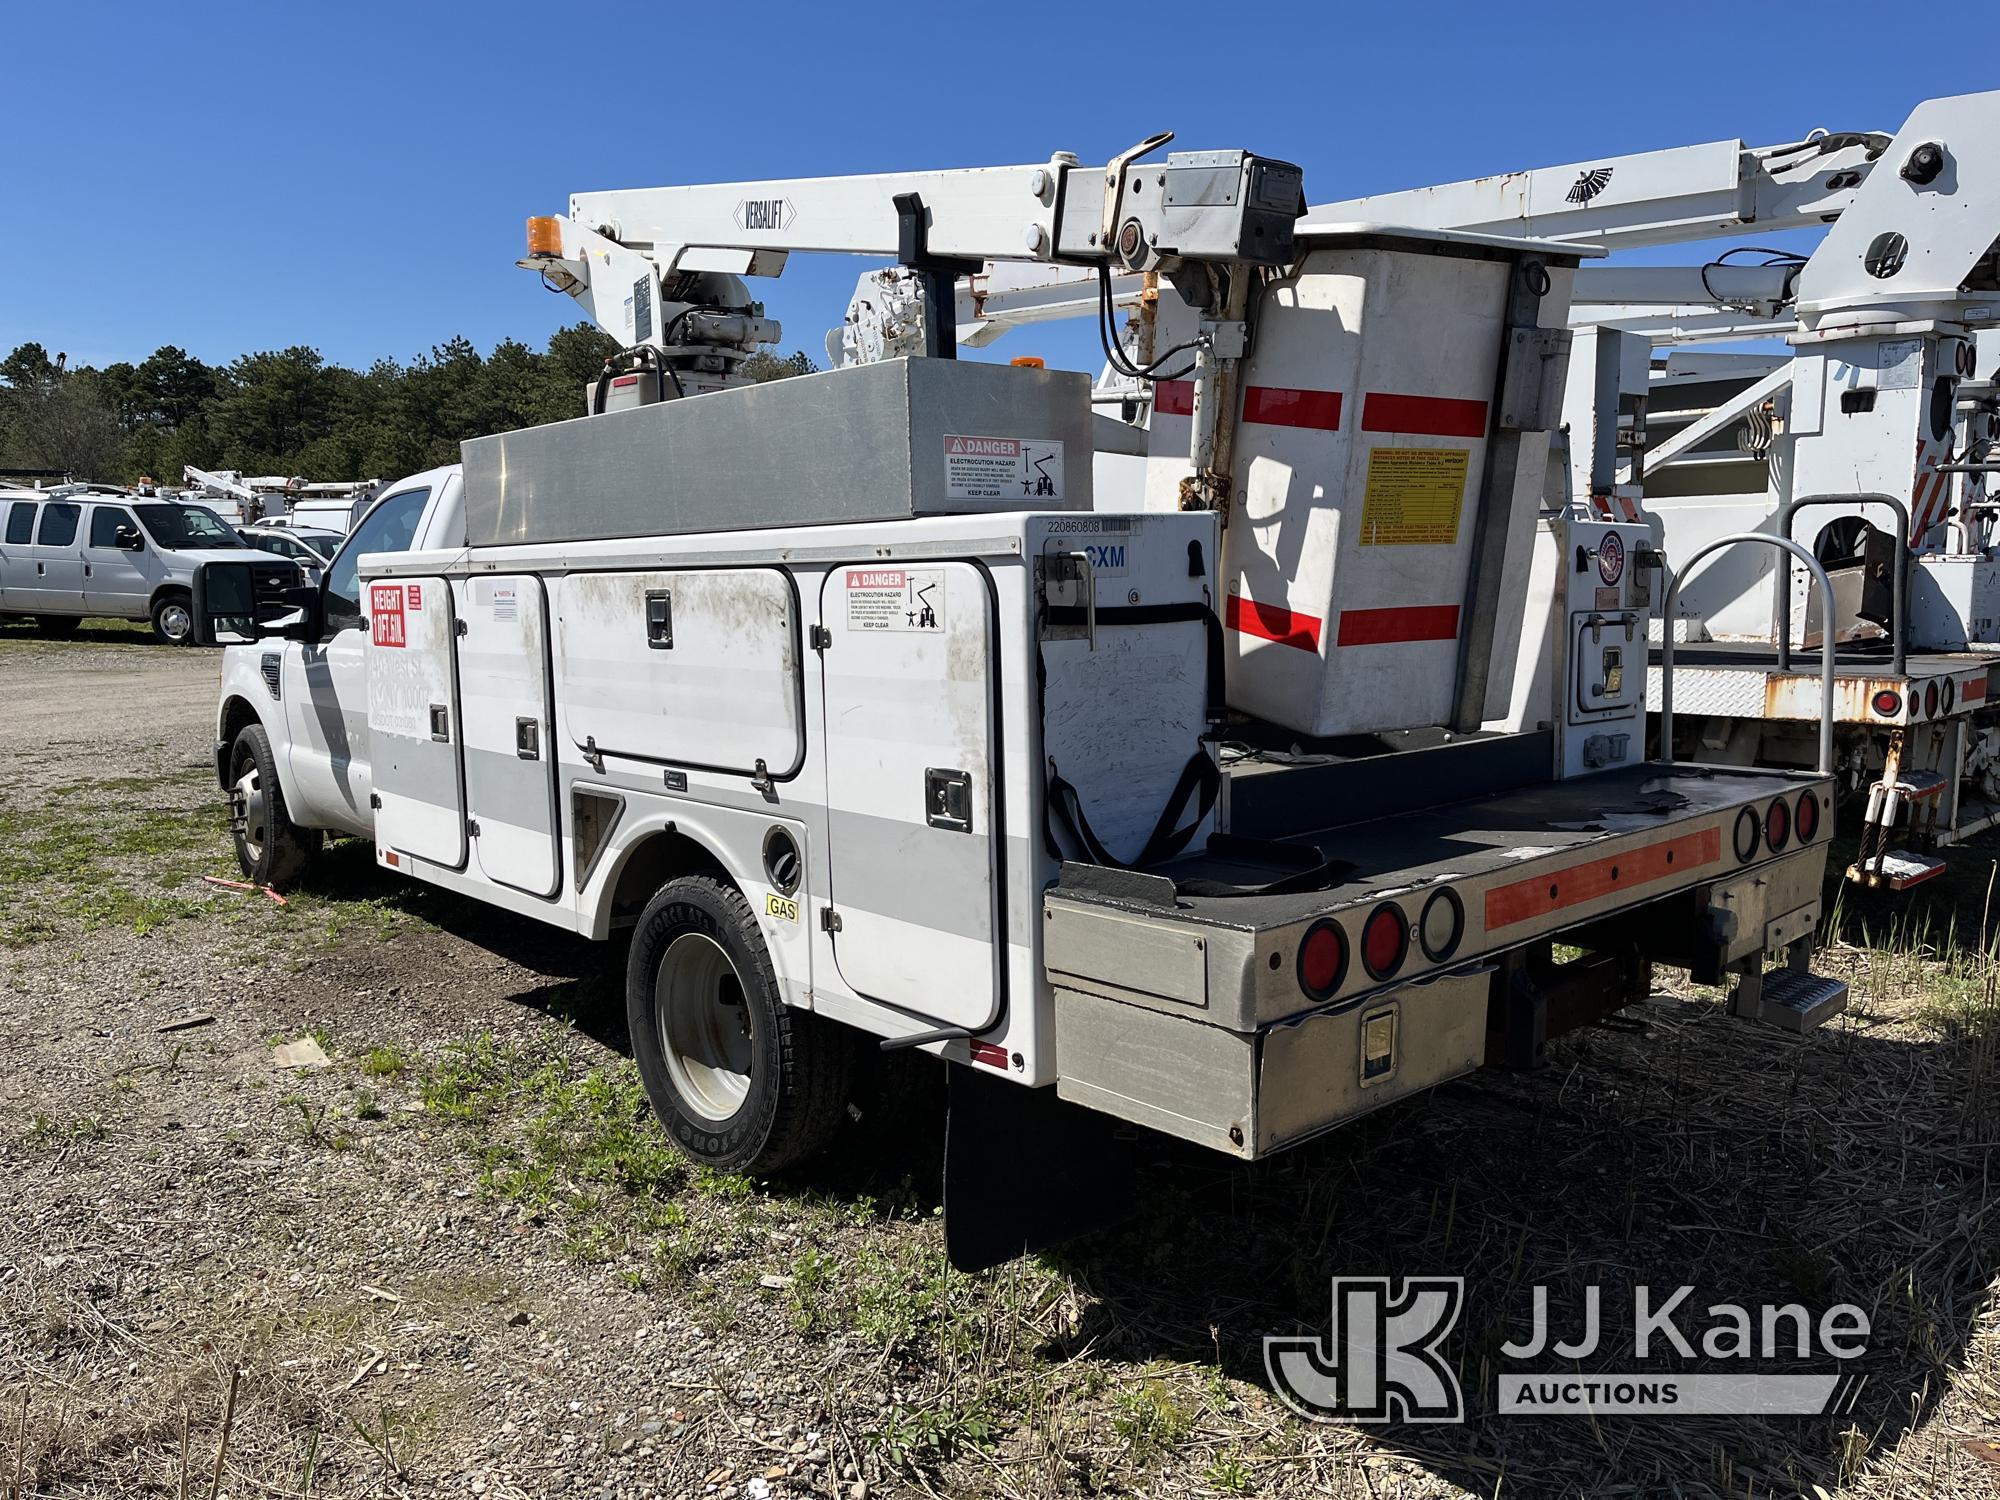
(948, 799)
(40, 570)
(86, 570)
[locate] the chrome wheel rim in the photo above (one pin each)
(251, 816)
(704, 1026)
(175, 622)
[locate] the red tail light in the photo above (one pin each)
(1888, 703)
(1322, 959)
(1385, 940)
(1806, 820)
(1930, 701)
(1778, 825)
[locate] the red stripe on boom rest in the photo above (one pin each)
(1554, 890)
(1173, 398)
(1279, 406)
(1431, 416)
(1411, 622)
(1272, 622)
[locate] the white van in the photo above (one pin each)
(69, 555)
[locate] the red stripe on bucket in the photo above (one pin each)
(1272, 622)
(1282, 406)
(1385, 627)
(1430, 416)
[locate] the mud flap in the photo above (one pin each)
(1024, 1170)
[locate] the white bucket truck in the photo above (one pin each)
(839, 695)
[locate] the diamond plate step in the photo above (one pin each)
(1899, 870)
(1800, 1001)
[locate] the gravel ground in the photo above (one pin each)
(458, 1258)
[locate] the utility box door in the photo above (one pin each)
(510, 779)
(413, 728)
(909, 786)
(695, 667)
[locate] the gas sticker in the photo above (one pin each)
(1002, 468)
(385, 614)
(784, 908)
(894, 599)
(1413, 496)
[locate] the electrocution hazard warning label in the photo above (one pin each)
(1414, 496)
(1002, 468)
(894, 599)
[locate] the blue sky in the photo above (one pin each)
(355, 176)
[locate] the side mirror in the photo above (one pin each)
(128, 538)
(238, 602)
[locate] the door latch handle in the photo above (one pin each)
(948, 799)
(440, 722)
(528, 738)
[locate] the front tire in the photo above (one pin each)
(271, 849)
(742, 1081)
(173, 619)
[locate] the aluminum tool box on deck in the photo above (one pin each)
(1196, 1012)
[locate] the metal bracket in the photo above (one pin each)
(819, 638)
(829, 919)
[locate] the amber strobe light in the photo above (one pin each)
(1385, 940)
(545, 235)
(1322, 959)
(1807, 818)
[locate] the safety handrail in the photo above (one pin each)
(1899, 613)
(1825, 639)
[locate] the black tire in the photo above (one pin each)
(270, 848)
(60, 626)
(797, 1066)
(173, 618)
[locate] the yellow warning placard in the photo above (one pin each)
(1414, 496)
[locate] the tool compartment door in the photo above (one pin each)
(413, 728)
(910, 796)
(510, 779)
(696, 667)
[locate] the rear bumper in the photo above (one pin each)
(1186, 1013)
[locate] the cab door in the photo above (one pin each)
(912, 804)
(115, 582)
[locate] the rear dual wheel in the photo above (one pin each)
(741, 1080)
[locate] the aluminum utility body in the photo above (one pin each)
(1871, 439)
(81, 551)
(842, 694)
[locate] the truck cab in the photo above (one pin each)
(309, 692)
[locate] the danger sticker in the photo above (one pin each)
(414, 596)
(1414, 496)
(894, 599)
(385, 614)
(1002, 468)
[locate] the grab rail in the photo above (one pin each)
(1899, 611)
(1825, 640)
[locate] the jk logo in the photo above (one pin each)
(1379, 1362)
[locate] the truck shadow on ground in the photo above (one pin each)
(1755, 1168)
